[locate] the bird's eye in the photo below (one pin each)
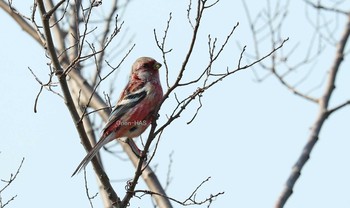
(145, 65)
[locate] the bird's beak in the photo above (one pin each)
(157, 65)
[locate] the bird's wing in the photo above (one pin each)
(125, 104)
(128, 100)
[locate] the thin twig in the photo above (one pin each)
(87, 191)
(8, 183)
(325, 8)
(191, 200)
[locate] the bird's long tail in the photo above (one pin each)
(92, 153)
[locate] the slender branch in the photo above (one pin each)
(189, 9)
(213, 56)
(183, 104)
(161, 46)
(70, 104)
(114, 9)
(141, 165)
(59, 32)
(103, 78)
(330, 111)
(273, 23)
(322, 7)
(191, 200)
(293, 89)
(87, 191)
(321, 118)
(168, 175)
(50, 12)
(12, 177)
(47, 85)
(8, 183)
(20, 21)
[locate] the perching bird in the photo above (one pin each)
(134, 111)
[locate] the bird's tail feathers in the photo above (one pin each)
(92, 153)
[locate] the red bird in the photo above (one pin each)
(134, 111)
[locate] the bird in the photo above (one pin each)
(135, 109)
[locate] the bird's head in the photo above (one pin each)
(145, 69)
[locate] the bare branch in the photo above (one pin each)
(47, 86)
(70, 104)
(104, 37)
(191, 200)
(168, 175)
(21, 20)
(103, 78)
(330, 111)
(274, 22)
(189, 9)
(196, 113)
(293, 89)
(161, 46)
(49, 13)
(322, 7)
(8, 182)
(87, 191)
(184, 103)
(321, 118)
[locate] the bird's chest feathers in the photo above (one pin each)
(142, 114)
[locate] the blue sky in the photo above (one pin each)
(246, 137)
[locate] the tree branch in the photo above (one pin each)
(323, 114)
(69, 101)
(7, 184)
(20, 21)
(191, 200)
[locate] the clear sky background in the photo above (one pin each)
(246, 137)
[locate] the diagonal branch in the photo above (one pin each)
(323, 114)
(330, 111)
(325, 8)
(7, 184)
(20, 21)
(69, 101)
